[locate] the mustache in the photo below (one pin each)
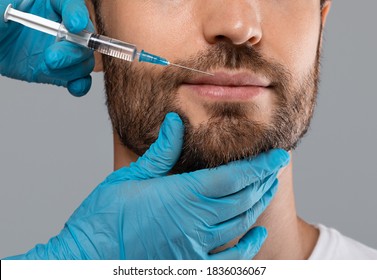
(227, 56)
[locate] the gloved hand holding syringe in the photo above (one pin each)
(99, 43)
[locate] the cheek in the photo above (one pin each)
(155, 26)
(293, 42)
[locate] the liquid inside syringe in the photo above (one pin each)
(99, 43)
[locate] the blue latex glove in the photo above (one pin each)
(32, 56)
(141, 212)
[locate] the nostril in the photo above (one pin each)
(223, 38)
(220, 37)
(254, 40)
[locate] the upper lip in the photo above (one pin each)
(231, 79)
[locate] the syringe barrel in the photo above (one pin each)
(112, 47)
(100, 43)
(81, 38)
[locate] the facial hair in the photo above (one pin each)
(139, 98)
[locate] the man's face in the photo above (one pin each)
(265, 57)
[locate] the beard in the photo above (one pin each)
(139, 98)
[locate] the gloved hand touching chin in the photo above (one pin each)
(141, 212)
(32, 56)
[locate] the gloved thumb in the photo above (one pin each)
(161, 156)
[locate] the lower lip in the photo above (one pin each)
(227, 93)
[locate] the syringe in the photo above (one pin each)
(99, 43)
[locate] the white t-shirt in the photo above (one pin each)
(332, 245)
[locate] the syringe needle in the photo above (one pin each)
(191, 69)
(154, 59)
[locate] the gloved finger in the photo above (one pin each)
(74, 13)
(90, 27)
(164, 153)
(71, 73)
(231, 206)
(80, 87)
(161, 155)
(235, 176)
(65, 54)
(247, 247)
(231, 229)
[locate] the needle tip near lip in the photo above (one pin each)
(192, 69)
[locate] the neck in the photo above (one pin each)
(289, 237)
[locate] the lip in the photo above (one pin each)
(231, 79)
(229, 86)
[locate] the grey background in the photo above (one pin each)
(54, 149)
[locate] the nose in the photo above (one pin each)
(237, 21)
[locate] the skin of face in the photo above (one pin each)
(286, 31)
